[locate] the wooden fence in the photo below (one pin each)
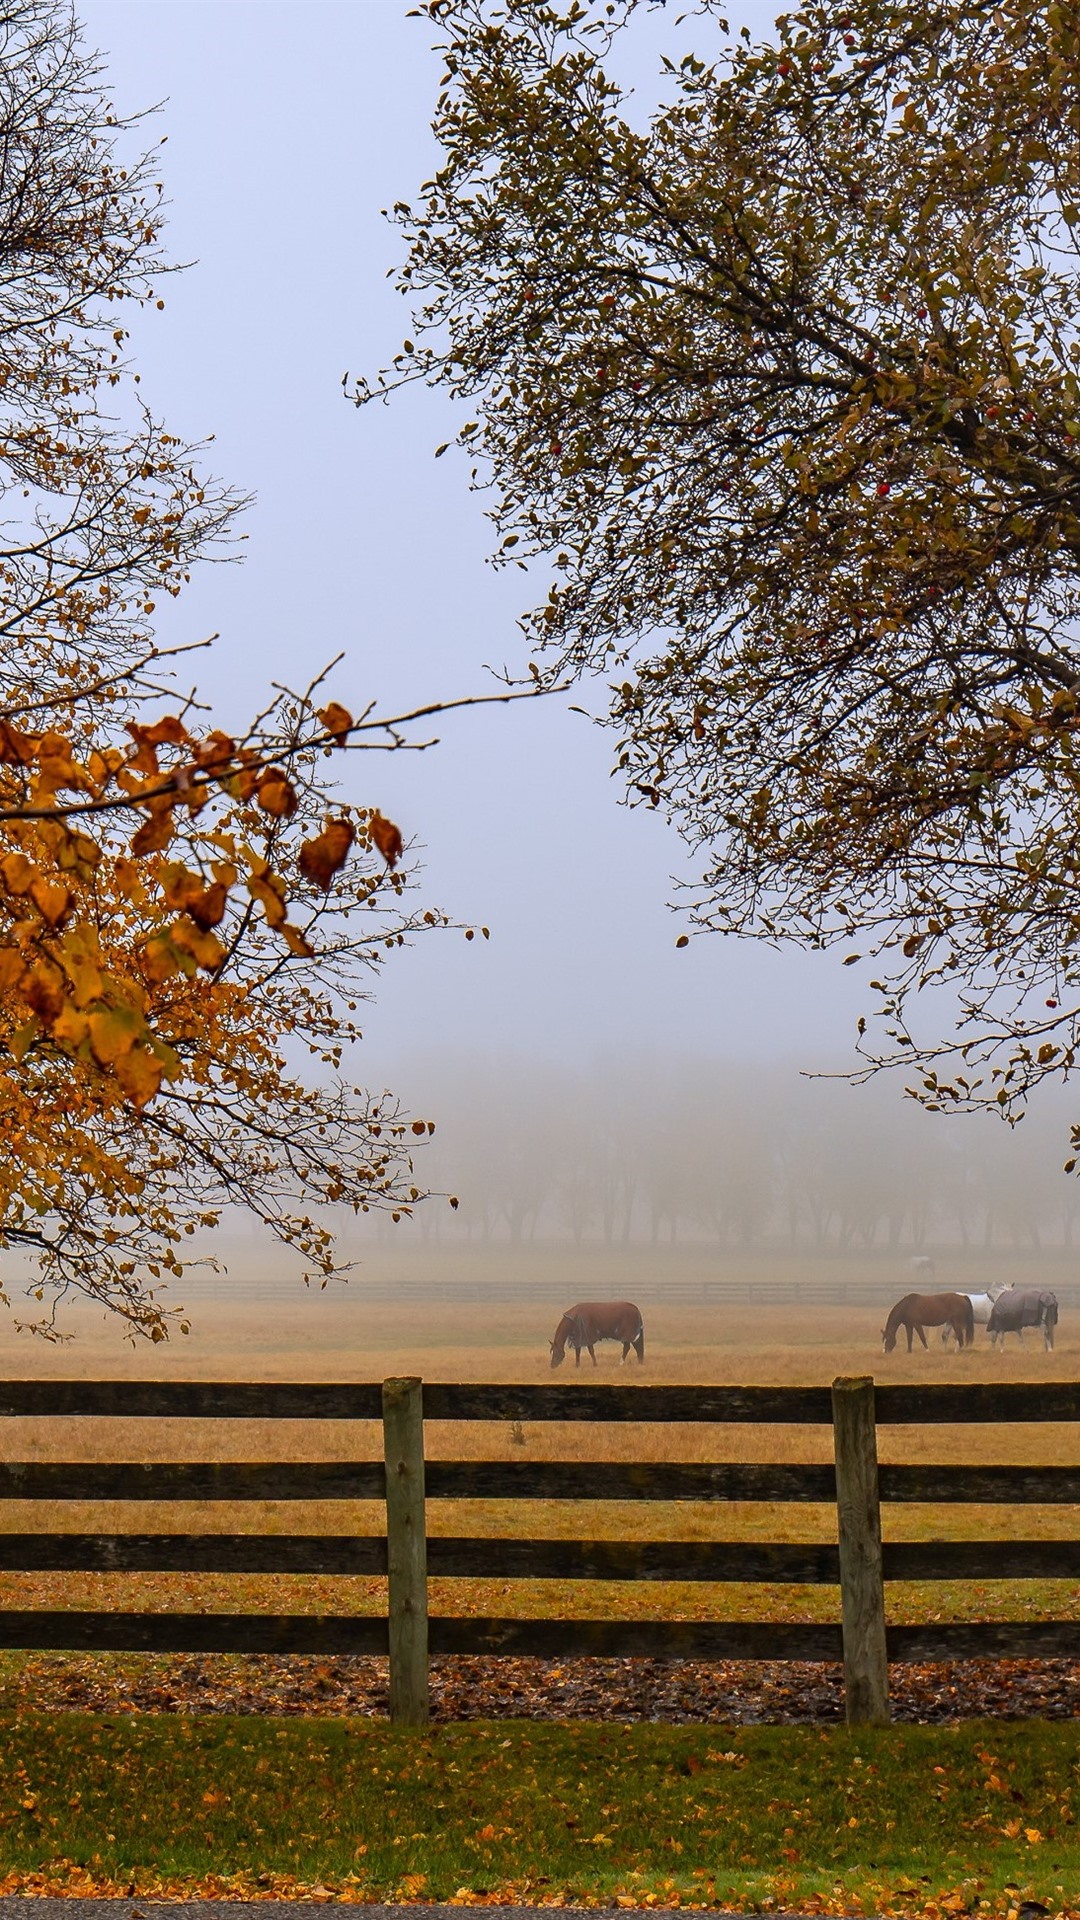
(858, 1562)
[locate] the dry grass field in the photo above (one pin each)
(346, 1335)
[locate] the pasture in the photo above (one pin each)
(346, 1335)
(905, 1820)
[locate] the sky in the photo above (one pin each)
(289, 126)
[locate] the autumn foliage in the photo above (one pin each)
(785, 382)
(186, 916)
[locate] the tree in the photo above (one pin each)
(786, 381)
(186, 918)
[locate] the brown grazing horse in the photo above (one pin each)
(918, 1310)
(593, 1320)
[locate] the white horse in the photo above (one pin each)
(981, 1307)
(922, 1264)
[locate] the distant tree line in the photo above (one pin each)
(731, 1155)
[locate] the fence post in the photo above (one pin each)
(862, 1589)
(406, 1551)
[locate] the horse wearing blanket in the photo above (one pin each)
(1023, 1307)
(585, 1324)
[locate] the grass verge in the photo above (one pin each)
(904, 1820)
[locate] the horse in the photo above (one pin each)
(585, 1324)
(1023, 1307)
(982, 1306)
(918, 1310)
(922, 1264)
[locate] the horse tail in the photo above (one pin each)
(639, 1339)
(969, 1322)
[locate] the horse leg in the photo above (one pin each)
(922, 1336)
(592, 1351)
(639, 1347)
(625, 1351)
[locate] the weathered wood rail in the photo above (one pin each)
(854, 1483)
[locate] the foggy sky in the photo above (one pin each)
(289, 126)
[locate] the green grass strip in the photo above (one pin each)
(978, 1815)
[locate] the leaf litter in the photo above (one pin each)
(743, 1693)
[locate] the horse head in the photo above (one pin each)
(563, 1332)
(888, 1340)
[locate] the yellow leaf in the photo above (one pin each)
(276, 795)
(16, 749)
(52, 900)
(103, 763)
(295, 941)
(161, 958)
(70, 1029)
(140, 1074)
(57, 768)
(321, 858)
(77, 853)
(19, 872)
(20, 1042)
(184, 892)
(129, 879)
(204, 947)
(337, 720)
(76, 954)
(269, 891)
(12, 966)
(114, 1032)
(386, 837)
(154, 834)
(45, 993)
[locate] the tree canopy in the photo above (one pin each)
(187, 917)
(785, 379)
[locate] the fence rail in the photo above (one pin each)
(859, 1563)
(1007, 1403)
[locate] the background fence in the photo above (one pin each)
(858, 1562)
(665, 1289)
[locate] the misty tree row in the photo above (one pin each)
(732, 1155)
